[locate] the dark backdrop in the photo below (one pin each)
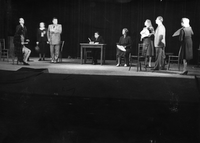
(81, 18)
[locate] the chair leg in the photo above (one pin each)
(130, 64)
(168, 63)
(178, 65)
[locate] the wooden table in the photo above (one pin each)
(84, 46)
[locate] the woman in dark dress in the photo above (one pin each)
(124, 47)
(186, 42)
(42, 41)
(147, 38)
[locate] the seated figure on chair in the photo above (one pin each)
(20, 40)
(96, 39)
(26, 51)
(147, 39)
(124, 47)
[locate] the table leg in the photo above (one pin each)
(84, 53)
(81, 55)
(104, 55)
(101, 55)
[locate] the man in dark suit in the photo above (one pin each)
(96, 39)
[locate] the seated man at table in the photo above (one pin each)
(96, 39)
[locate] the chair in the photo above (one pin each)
(175, 58)
(61, 49)
(139, 57)
(4, 52)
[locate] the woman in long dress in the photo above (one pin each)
(42, 41)
(186, 42)
(147, 38)
(124, 48)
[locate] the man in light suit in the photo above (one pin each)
(159, 43)
(54, 38)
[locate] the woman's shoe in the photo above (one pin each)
(39, 59)
(184, 73)
(25, 63)
(117, 65)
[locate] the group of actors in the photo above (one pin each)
(51, 36)
(153, 43)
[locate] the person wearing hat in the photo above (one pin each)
(124, 47)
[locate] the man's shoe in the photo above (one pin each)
(39, 59)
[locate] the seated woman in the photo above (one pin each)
(124, 47)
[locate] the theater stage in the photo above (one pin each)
(73, 66)
(74, 103)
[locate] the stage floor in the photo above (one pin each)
(77, 103)
(73, 66)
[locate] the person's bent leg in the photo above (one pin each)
(150, 61)
(127, 57)
(27, 53)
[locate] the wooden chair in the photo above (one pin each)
(175, 58)
(140, 57)
(4, 53)
(61, 49)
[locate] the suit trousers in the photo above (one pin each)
(160, 57)
(55, 51)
